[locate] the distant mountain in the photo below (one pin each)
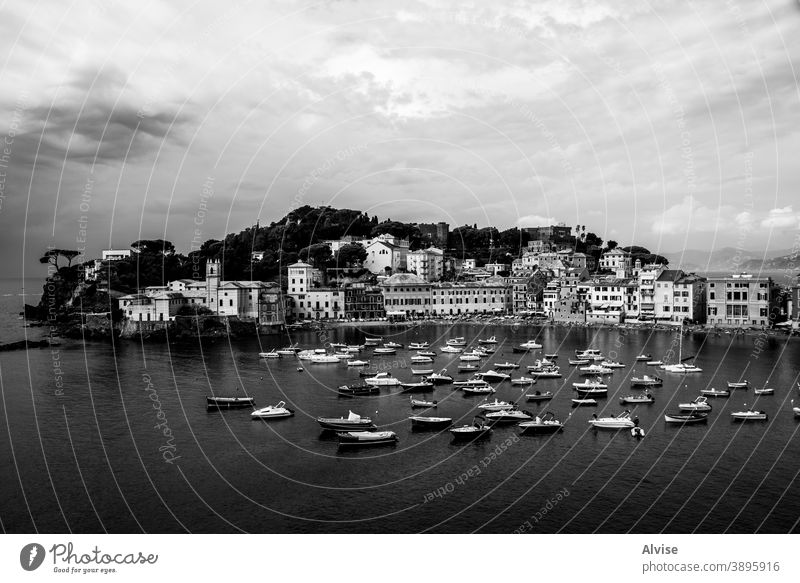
(729, 259)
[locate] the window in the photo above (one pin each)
(231, 302)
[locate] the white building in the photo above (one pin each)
(426, 263)
(618, 261)
(313, 303)
(382, 255)
(115, 254)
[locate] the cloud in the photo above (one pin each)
(781, 218)
(692, 216)
(535, 221)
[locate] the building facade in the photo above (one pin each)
(740, 301)
(426, 263)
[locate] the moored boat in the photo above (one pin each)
(738, 384)
(544, 423)
(421, 371)
(467, 368)
(611, 364)
(229, 402)
(530, 345)
(357, 363)
(429, 353)
(270, 354)
(451, 349)
(440, 378)
(637, 399)
(749, 415)
(764, 391)
(493, 376)
(421, 422)
(712, 392)
(496, 405)
(415, 403)
(523, 381)
(383, 379)
(418, 345)
(354, 390)
(508, 416)
(478, 430)
(423, 385)
(539, 396)
(278, 411)
(583, 402)
(686, 418)
(366, 438)
(505, 365)
(646, 381)
(490, 340)
(384, 351)
(621, 421)
(700, 404)
(644, 357)
(392, 345)
(458, 342)
(352, 421)
(595, 369)
(578, 361)
(421, 359)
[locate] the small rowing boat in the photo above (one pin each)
(229, 402)
(423, 403)
(366, 438)
(538, 396)
(686, 418)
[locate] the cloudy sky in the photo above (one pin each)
(671, 124)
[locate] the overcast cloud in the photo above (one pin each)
(671, 125)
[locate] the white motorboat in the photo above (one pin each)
(749, 415)
(589, 354)
(270, 354)
(530, 345)
(421, 359)
(484, 389)
(496, 406)
(508, 416)
(352, 421)
(392, 345)
(479, 429)
(421, 371)
(372, 341)
(523, 381)
(289, 350)
(423, 403)
(272, 412)
(384, 350)
(764, 391)
(469, 358)
(357, 363)
(544, 423)
(458, 342)
(473, 382)
(423, 385)
(621, 421)
(595, 384)
(795, 410)
(324, 359)
(646, 381)
(654, 363)
(699, 404)
(637, 399)
(466, 367)
(418, 345)
(441, 377)
(505, 365)
(493, 376)
(595, 369)
(549, 373)
(490, 340)
(579, 361)
(738, 384)
(383, 379)
(451, 349)
(611, 364)
(429, 353)
(309, 354)
(712, 392)
(645, 357)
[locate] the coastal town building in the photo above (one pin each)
(426, 263)
(406, 295)
(550, 235)
(609, 300)
(385, 256)
(741, 300)
(115, 254)
(617, 261)
(363, 301)
(490, 296)
(435, 233)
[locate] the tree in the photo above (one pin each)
(51, 256)
(154, 246)
(317, 254)
(611, 245)
(350, 255)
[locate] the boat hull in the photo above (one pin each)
(344, 424)
(229, 402)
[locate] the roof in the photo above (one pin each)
(404, 279)
(670, 275)
(300, 264)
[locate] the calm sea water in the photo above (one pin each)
(81, 452)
